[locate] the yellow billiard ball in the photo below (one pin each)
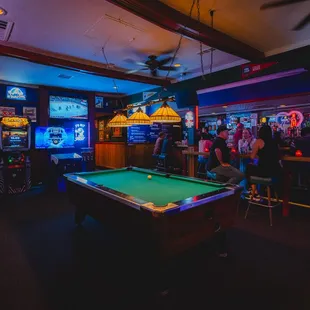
(149, 177)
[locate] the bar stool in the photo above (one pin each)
(271, 202)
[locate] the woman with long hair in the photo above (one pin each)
(267, 151)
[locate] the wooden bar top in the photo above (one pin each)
(245, 156)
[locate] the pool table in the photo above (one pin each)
(167, 213)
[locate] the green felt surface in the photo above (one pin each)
(160, 190)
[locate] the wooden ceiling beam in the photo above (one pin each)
(170, 19)
(43, 59)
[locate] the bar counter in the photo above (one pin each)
(120, 154)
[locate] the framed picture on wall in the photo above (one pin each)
(31, 113)
(99, 102)
(7, 111)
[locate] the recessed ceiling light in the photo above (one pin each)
(225, 106)
(213, 112)
(177, 65)
(282, 105)
(3, 11)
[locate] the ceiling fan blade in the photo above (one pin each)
(132, 71)
(302, 23)
(277, 4)
(139, 63)
(133, 62)
(164, 61)
(167, 68)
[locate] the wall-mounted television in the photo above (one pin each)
(16, 93)
(68, 108)
(54, 138)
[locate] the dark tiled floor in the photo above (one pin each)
(46, 264)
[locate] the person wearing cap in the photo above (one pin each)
(219, 160)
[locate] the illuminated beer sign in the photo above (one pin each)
(16, 93)
(15, 122)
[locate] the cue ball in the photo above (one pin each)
(149, 177)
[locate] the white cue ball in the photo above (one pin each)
(149, 177)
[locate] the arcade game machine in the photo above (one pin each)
(15, 165)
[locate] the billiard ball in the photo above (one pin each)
(149, 177)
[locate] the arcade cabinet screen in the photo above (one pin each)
(54, 138)
(12, 139)
(68, 108)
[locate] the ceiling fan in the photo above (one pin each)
(153, 63)
(276, 4)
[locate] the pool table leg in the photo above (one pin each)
(79, 217)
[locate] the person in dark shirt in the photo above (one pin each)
(219, 160)
(303, 143)
(159, 143)
(267, 151)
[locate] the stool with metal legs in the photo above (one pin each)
(270, 202)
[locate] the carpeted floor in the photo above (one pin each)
(45, 264)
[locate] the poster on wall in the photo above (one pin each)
(31, 113)
(99, 102)
(7, 111)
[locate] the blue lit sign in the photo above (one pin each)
(80, 132)
(16, 93)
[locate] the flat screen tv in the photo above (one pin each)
(68, 108)
(14, 139)
(54, 138)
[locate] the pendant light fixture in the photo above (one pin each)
(119, 120)
(165, 114)
(139, 118)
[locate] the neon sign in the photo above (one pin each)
(15, 93)
(79, 132)
(293, 118)
(15, 122)
(189, 119)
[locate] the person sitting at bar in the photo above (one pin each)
(245, 145)
(267, 151)
(238, 134)
(159, 143)
(219, 160)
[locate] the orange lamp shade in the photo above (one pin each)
(298, 153)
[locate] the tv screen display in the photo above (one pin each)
(67, 107)
(13, 139)
(54, 138)
(15, 93)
